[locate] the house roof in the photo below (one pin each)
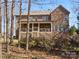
(45, 12)
(37, 13)
(40, 13)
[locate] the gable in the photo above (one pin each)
(59, 14)
(60, 8)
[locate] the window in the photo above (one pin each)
(55, 28)
(35, 27)
(45, 27)
(30, 18)
(61, 28)
(45, 18)
(66, 17)
(30, 27)
(58, 28)
(39, 17)
(23, 27)
(52, 18)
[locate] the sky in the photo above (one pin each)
(65, 3)
(49, 5)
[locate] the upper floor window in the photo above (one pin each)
(45, 18)
(30, 18)
(52, 18)
(55, 28)
(66, 17)
(39, 17)
(58, 28)
(61, 28)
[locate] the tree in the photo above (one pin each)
(6, 17)
(12, 19)
(78, 17)
(72, 30)
(78, 20)
(75, 5)
(27, 31)
(0, 18)
(20, 12)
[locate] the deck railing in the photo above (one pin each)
(23, 29)
(36, 29)
(45, 29)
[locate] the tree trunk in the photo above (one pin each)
(0, 18)
(6, 20)
(27, 31)
(20, 12)
(12, 21)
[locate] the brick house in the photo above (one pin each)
(43, 23)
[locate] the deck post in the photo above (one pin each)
(51, 27)
(32, 28)
(38, 29)
(19, 33)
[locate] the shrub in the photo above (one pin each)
(34, 57)
(63, 42)
(14, 43)
(40, 43)
(72, 30)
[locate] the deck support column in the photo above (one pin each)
(38, 29)
(51, 27)
(32, 28)
(19, 33)
(28, 29)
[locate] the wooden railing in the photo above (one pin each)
(36, 29)
(23, 29)
(45, 29)
(35, 20)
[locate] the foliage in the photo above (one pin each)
(61, 43)
(78, 16)
(72, 30)
(64, 42)
(23, 43)
(46, 44)
(41, 43)
(34, 57)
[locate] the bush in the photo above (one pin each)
(40, 43)
(34, 57)
(14, 43)
(72, 30)
(62, 43)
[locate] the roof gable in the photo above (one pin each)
(62, 9)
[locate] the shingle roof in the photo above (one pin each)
(37, 13)
(40, 13)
